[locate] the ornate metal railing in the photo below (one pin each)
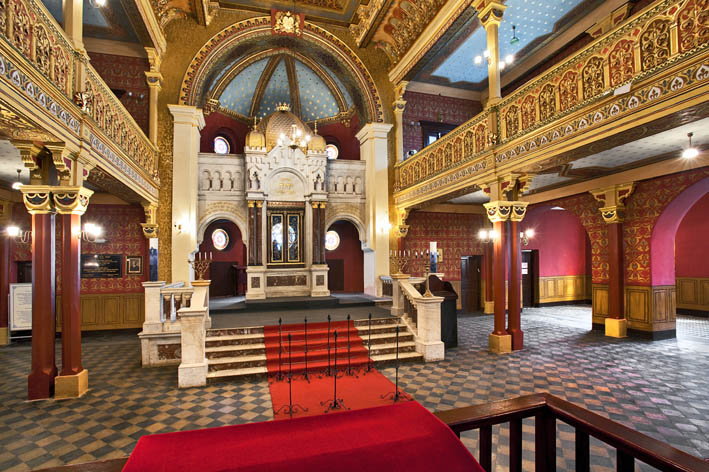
(37, 60)
(577, 94)
(547, 409)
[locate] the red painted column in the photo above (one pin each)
(513, 306)
(258, 242)
(71, 291)
(498, 275)
(40, 383)
(616, 294)
(323, 230)
(4, 279)
(487, 269)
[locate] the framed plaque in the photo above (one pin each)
(20, 307)
(134, 265)
(102, 266)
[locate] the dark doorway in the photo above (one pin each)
(336, 275)
(530, 278)
(470, 283)
(24, 272)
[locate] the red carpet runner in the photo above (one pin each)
(361, 389)
(398, 438)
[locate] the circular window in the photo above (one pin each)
(221, 145)
(332, 240)
(220, 239)
(332, 151)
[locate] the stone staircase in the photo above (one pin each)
(238, 352)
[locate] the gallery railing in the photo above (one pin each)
(39, 64)
(547, 409)
(661, 52)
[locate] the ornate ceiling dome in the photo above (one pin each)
(256, 85)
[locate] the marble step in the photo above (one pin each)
(381, 349)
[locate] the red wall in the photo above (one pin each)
(127, 73)
(344, 137)
(218, 124)
(455, 233)
(564, 247)
(235, 251)
(427, 107)
(691, 247)
(123, 235)
(350, 250)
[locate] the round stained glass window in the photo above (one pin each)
(332, 151)
(220, 239)
(332, 240)
(221, 145)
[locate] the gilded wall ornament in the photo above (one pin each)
(287, 23)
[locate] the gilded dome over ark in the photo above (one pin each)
(281, 122)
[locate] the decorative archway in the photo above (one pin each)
(361, 230)
(212, 217)
(246, 36)
(662, 241)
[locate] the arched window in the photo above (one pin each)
(332, 240)
(332, 151)
(221, 145)
(220, 239)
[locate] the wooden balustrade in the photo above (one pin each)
(546, 409)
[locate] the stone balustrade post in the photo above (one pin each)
(153, 304)
(428, 323)
(397, 294)
(200, 298)
(193, 368)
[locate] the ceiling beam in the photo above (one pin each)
(262, 83)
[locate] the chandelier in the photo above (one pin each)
(294, 139)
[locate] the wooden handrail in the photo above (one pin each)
(546, 409)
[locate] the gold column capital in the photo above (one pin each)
(150, 230)
(150, 227)
(613, 198)
(498, 210)
(154, 80)
(489, 11)
(613, 214)
(71, 200)
(38, 199)
(250, 203)
(323, 204)
(259, 203)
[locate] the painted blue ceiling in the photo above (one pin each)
(238, 94)
(316, 99)
(532, 18)
(107, 22)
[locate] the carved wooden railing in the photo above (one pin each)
(38, 61)
(547, 409)
(662, 51)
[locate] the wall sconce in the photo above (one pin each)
(526, 235)
(91, 233)
(487, 236)
(178, 227)
(16, 233)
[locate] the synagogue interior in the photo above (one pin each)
(354, 235)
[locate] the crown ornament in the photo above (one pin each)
(283, 107)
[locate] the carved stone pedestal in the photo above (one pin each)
(318, 286)
(256, 283)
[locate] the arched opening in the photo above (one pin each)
(692, 260)
(346, 258)
(223, 240)
(556, 263)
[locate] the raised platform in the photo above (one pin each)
(239, 305)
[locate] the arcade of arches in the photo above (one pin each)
(176, 176)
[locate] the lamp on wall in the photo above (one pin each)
(526, 236)
(16, 233)
(488, 235)
(91, 233)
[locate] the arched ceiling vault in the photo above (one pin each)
(303, 77)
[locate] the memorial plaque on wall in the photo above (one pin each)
(20, 307)
(101, 266)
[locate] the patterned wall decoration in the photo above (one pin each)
(427, 107)
(123, 235)
(643, 208)
(126, 73)
(455, 233)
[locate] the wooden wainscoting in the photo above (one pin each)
(564, 288)
(646, 308)
(693, 293)
(108, 311)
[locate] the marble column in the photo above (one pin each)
(323, 230)
(258, 223)
(498, 276)
(374, 150)
(615, 271)
(252, 234)
(187, 123)
(40, 383)
(316, 232)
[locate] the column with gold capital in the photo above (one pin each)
(38, 201)
(71, 203)
(154, 79)
(399, 106)
(490, 15)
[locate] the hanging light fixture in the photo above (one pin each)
(691, 152)
(514, 39)
(17, 185)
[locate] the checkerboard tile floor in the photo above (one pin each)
(660, 388)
